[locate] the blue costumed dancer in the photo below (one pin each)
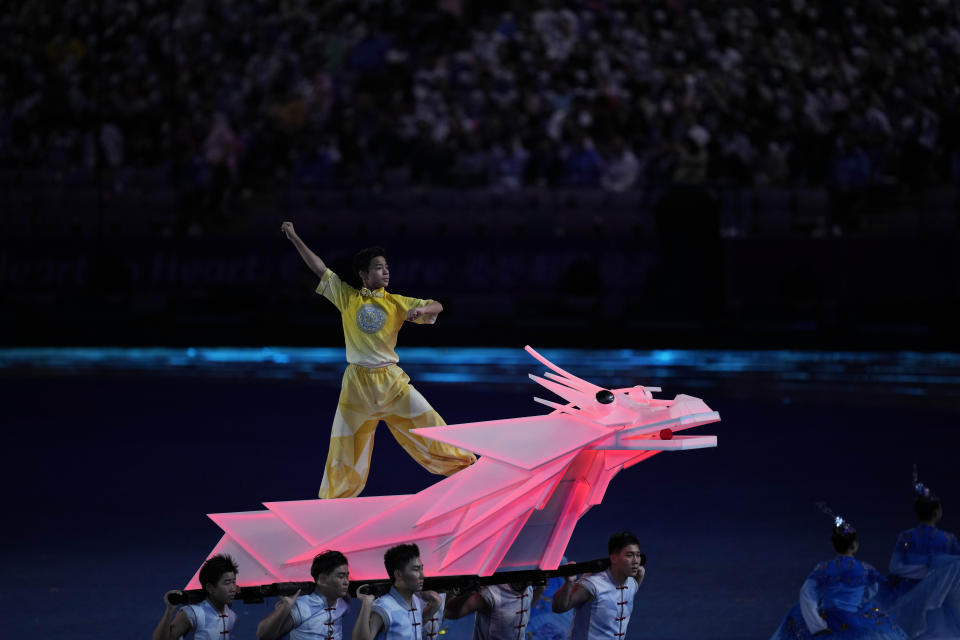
(923, 591)
(835, 599)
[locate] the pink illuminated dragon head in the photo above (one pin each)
(515, 508)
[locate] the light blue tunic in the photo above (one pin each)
(607, 614)
(506, 615)
(207, 623)
(313, 619)
(400, 621)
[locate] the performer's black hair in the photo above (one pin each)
(925, 506)
(843, 538)
(324, 563)
(215, 567)
(620, 540)
(363, 258)
(396, 558)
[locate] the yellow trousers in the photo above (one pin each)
(368, 396)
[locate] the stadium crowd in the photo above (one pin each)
(495, 94)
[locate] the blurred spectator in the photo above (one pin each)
(621, 167)
(583, 164)
(504, 93)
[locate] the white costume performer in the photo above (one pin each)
(400, 621)
(206, 623)
(314, 619)
(607, 613)
(506, 614)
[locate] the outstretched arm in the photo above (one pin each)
(431, 309)
(426, 314)
(313, 261)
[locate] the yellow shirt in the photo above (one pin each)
(370, 322)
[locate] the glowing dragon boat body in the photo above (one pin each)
(516, 508)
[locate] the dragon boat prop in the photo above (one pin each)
(514, 509)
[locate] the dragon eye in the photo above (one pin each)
(604, 396)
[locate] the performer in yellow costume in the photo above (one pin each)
(374, 388)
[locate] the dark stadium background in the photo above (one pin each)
(752, 203)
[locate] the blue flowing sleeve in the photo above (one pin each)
(809, 599)
(873, 580)
(898, 560)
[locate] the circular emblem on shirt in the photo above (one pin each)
(371, 317)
